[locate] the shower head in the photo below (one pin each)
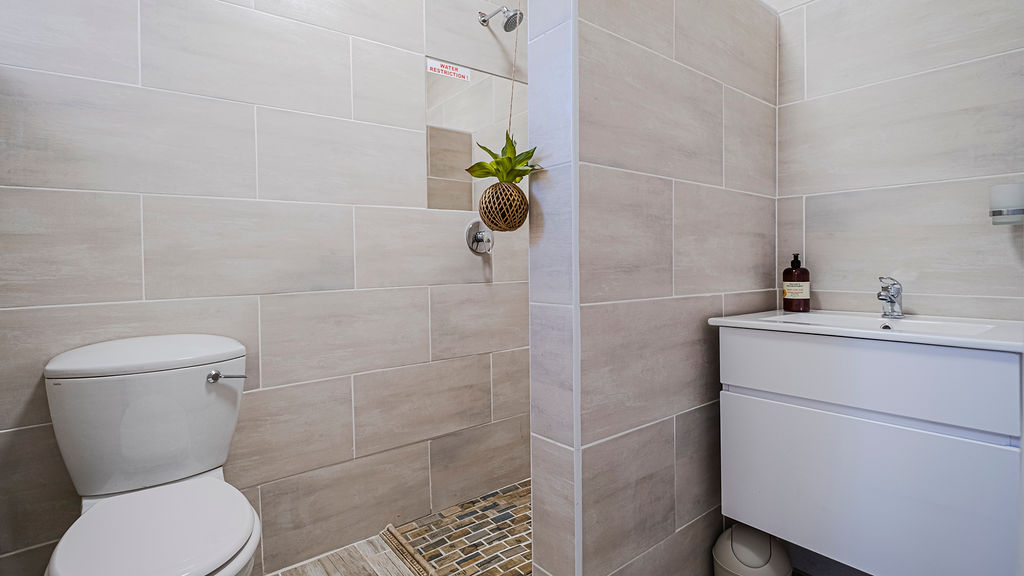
(513, 18)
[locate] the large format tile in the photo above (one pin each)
(292, 429)
(627, 497)
(687, 551)
(451, 38)
(413, 403)
(67, 247)
(552, 104)
(34, 335)
(645, 360)
(37, 500)
(625, 231)
(317, 159)
(476, 461)
(215, 247)
(732, 40)
(934, 238)
(952, 123)
(551, 236)
(749, 302)
(554, 541)
(322, 335)
(851, 43)
(319, 511)
(791, 57)
(648, 23)
(444, 194)
(511, 261)
(429, 248)
(31, 561)
(712, 223)
(63, 132)
(551, 372)
(96, 39)
(698, 463)
(387, 85)
(546, 15)
(393, 22)
(646, 113)
(510, 383)
(449, 152)
(790, 231)
(476, 318)
(215, 49)
(749, 144)
(253, 496)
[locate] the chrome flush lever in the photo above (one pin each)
(214, 376)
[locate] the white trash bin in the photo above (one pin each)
(745, 551)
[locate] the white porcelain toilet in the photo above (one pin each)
(144, 426)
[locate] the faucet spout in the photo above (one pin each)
(891, 296)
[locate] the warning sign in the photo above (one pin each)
(449, 70)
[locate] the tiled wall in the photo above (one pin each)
(658, 212)
(895, 118)
(257, 169)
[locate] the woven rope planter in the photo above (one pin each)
(504, 206)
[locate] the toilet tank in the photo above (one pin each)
(139, 412)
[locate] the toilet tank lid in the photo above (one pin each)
(143, 354)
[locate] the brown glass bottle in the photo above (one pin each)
(796, 287)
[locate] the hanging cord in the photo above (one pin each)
(515, 54)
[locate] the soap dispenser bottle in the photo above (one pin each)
(796, 287)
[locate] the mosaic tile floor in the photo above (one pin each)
(487, 536)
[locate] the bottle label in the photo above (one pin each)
(796, 290)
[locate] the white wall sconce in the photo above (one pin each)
(1006, 203)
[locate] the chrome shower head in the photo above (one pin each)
(513, 18)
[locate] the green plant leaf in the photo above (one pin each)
(525, 157)
(481, 170)
(509, 151)
(488, 150)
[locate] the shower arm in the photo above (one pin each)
(485, 19)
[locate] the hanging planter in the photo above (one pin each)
(503, 205)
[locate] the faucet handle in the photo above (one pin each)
(890, 284)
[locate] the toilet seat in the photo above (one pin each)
(189, 528)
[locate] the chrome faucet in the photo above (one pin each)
(891, 296)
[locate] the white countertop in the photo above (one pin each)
(977, 333)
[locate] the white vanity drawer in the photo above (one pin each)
(889, 500)
(977, 389)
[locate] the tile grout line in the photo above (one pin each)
(681, 180)
(142, 243)
(27, 548)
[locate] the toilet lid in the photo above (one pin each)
(189, 528)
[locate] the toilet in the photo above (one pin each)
(144, 425)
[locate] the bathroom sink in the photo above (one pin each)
(961, 332)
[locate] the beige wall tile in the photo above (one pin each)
(625, 230)
(732, 40)
(478, 47)
(34, 335)
(429, 248)
(215, 247)
(450, 153)
(790, 232)
(520, 103)
(37, 500)
(319, 511)
(551, 372)
(96, 39)
(856, 42)
(406, 405)
(901, 132)
(546, 15)
(551, 236)
(445, 194)
(388, 85)
(934, 238)
(750, 302)
(474, 449)
(553, 508)
(317, 159)
(710, 223)
(698, 463)
(63, 132)
(749, 144)
(648, 23)
(33, 561)
(476, 318)
(631, 116)
(471, 108)
(511, 260)
(393, 22)
(68, 247)
(253, 496)
(966, 306)
(510, 383)
(688, 551)
(845, 301)
(645, 360)
(215, 49)
(791, 57)
(288, 430)
(312, 336)
(551, 106)
(783, 5)
(627, 497)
